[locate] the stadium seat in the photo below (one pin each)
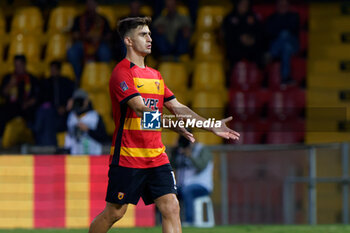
(66, 71)
(286, 104)
(61, 19)
(208, 76)
(2, 24)
(263, 11)
(303, 11)
(96, 76)
(174, 75)
(181, 9)
(109, 13)
(183, 96)
(298, 69)
(251, 132)
(102, 104)
(56, 48)
(27, 20)
(286, 132)
(209, 104)
(207, 48)
(245, 76)
(210, 18)
(248, 104)
(16, 132)
(303, 41)
(274, 75)
(25, 44)
(169, 138)
(207, 138)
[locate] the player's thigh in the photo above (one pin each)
(125, 185)
(160, 181)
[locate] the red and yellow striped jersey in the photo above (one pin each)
(132, 146)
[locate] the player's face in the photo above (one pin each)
(141, 40)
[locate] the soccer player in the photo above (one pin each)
(139, 166)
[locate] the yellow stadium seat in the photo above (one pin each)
(27, 20)
(169, 138)
(60, 138)
(66, 71)
(102, 104)
(16, 132)
(210, 18)
(207, 48)
(209, 104)
(146, 10)
(56, 48)
(2, 24)
(208, 76)
(96, 76)
(109, 13)
(61, 19)
(181, 9)
(207, 138)
(174, 75)
(183, 96)
(27, 45)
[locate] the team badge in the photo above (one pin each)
(124, 86)
(157, 84)
(120, 195)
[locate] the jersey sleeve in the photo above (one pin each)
(122, 86)
(168, 94)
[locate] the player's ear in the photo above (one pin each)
(127, 41)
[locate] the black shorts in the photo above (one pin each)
(127, 185)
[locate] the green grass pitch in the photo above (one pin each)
(218, 229)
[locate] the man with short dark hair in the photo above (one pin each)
(51, 117)
(20, 91)
(139, 166)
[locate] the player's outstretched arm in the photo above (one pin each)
(223, 131)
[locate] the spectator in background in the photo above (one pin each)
(193, 164)
(20, 92)
(51, 116)
(91, 34)
(86, 131)
(282, 30)
(242, 34)
(172, 32)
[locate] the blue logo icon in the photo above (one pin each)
(151, 120)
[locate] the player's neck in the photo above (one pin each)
(136, 59)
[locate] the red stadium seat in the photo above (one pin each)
(286, 132)
(298, 69)
(303, 11)
(245, 76)
(247, 104)
(251, 132)
(286, 104)
(274, 75)
(303, 41)
(263, 11)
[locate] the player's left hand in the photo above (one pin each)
(226, 132)
(189, 136)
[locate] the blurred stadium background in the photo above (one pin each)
(291, 165)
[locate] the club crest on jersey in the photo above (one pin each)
(121, 195)
(124, 86)
(157, 84)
